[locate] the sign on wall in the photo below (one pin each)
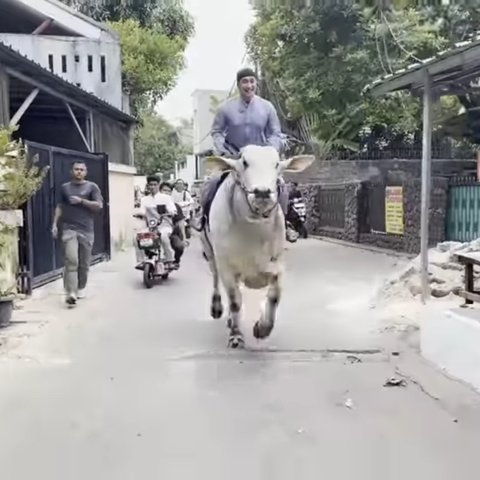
(394, 210)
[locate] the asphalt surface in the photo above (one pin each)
(138, 384)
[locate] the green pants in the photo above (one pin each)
(77, 250)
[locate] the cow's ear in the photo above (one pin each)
(219, 163)
(297, 163)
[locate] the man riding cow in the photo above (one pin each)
(246, 120)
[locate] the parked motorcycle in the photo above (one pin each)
(296, 216)
(153, 266)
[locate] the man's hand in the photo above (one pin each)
(74, 200)
(54, 231)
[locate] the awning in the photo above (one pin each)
(34, 74)
(449, 71)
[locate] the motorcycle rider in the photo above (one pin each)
(148, 210)
(247, 120)
(178, 237)
(181, 196)
(297, 210)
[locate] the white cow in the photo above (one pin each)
(244, 240)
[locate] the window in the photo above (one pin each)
(50, 63)
(64, 63)
(77, 58)
(90, 63)
(103, 68)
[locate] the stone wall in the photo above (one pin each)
(351, 171)
(356, 226)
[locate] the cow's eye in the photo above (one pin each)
(277, 165)
(245, 163)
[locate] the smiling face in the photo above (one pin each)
(247, 87)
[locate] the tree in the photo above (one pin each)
(151, 63)
(153, 35)
(316, 60)
(157, 146)
(169, 15)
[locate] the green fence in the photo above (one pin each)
(463, 213)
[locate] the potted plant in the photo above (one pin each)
(20, 178)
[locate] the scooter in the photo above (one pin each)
(153, 266)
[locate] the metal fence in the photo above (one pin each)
(375, 217)
(331, 206)
(463, 210)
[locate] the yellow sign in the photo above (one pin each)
(394, 210)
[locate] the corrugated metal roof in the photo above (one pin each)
(18, 62)
(458, 49)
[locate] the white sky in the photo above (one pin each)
(214, 54)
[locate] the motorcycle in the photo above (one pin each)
(296, 216)
(153, 266)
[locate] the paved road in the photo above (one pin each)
(138, 384)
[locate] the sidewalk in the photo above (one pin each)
(46, 305)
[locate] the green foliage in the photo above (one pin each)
(317, 60)
(151, 62)
(19, 178)
(153, 35)
(167, 15)
(157, 146)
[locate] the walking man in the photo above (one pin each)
(79, 201)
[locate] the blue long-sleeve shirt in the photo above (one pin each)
(240, 124)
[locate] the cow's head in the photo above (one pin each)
(257, 173)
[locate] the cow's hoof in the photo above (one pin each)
(216, 310)
(236, 341)
(262, 330)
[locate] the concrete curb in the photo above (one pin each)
(362, 246)
(451, 341)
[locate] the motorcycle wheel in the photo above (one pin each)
(148, 275)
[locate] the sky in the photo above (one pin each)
(214, 54)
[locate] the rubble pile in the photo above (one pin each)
(446, 275)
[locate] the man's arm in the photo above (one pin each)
(59, 210)
(188, 198)
(218, 131)
(56, 217)
(171, 208)
(96, 204)
(273, 132)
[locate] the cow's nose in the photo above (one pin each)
(262, 193)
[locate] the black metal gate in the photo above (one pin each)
(40, 255)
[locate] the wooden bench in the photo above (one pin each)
(469, 260)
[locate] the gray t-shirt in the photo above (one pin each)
(78, 217)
